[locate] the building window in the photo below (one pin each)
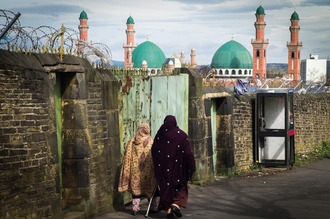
(245, 72)
(258, 53)
(292, 55)
(220, 72)
(240, 72)
(227, 72)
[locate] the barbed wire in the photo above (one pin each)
(28, 37)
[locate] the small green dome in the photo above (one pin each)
(149, 52)
(130, 20)
(232, 55)
(83, 15)
(294, 16)
(260, 10)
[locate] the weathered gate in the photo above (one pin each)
(149, 100)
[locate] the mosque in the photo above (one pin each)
(231, 60)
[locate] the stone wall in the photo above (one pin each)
(312, 121)
(198, 127)
(39, 177)
(28, 150)
(243, 122)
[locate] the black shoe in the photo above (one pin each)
(176, 211)
(170, 215)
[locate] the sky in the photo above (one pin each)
(180, 25)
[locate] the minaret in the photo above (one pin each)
(83, 30)
(130, 45)
(259, 45)
(294, 48)
(182, 57)
(193, 58)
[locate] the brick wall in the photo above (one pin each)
(312, 124)
(243, 131)
(312, 120)
(30, 160)
(28, 151)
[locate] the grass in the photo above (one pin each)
(320, 152)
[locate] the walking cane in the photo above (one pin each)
(149, 205)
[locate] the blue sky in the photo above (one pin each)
(179, 25)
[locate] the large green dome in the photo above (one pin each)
(232, 55)
(83, 15)
(149, 52)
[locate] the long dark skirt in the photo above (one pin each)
(179, 196)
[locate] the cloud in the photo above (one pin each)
(53, 10)
(179, 25)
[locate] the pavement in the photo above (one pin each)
(301, 192)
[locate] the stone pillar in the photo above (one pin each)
(197, 129)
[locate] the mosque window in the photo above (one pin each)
(245, 72)
(240, 72)
(233, 72)
(220, 72)
(227, 72)
(292, 54)
(258, 53)
(265, 53)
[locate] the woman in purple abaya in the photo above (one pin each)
(174, 165)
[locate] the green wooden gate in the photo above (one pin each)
(149, 100)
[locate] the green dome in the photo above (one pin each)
(232, 55)
(295, 16)
(130, 20)
(260, 10)
(83, 15)
(149, 52)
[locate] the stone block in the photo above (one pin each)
(207, 106)
(199, 147)
(75, 173)
(197, 128)
(74, 86)
(196, 108)
(75, 144)
(110, 90)
(113, 124)
(74, 115)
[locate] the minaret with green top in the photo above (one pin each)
(130, 44)
(259, 45)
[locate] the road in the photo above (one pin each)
(302, 192)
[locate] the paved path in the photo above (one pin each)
(300, 193)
